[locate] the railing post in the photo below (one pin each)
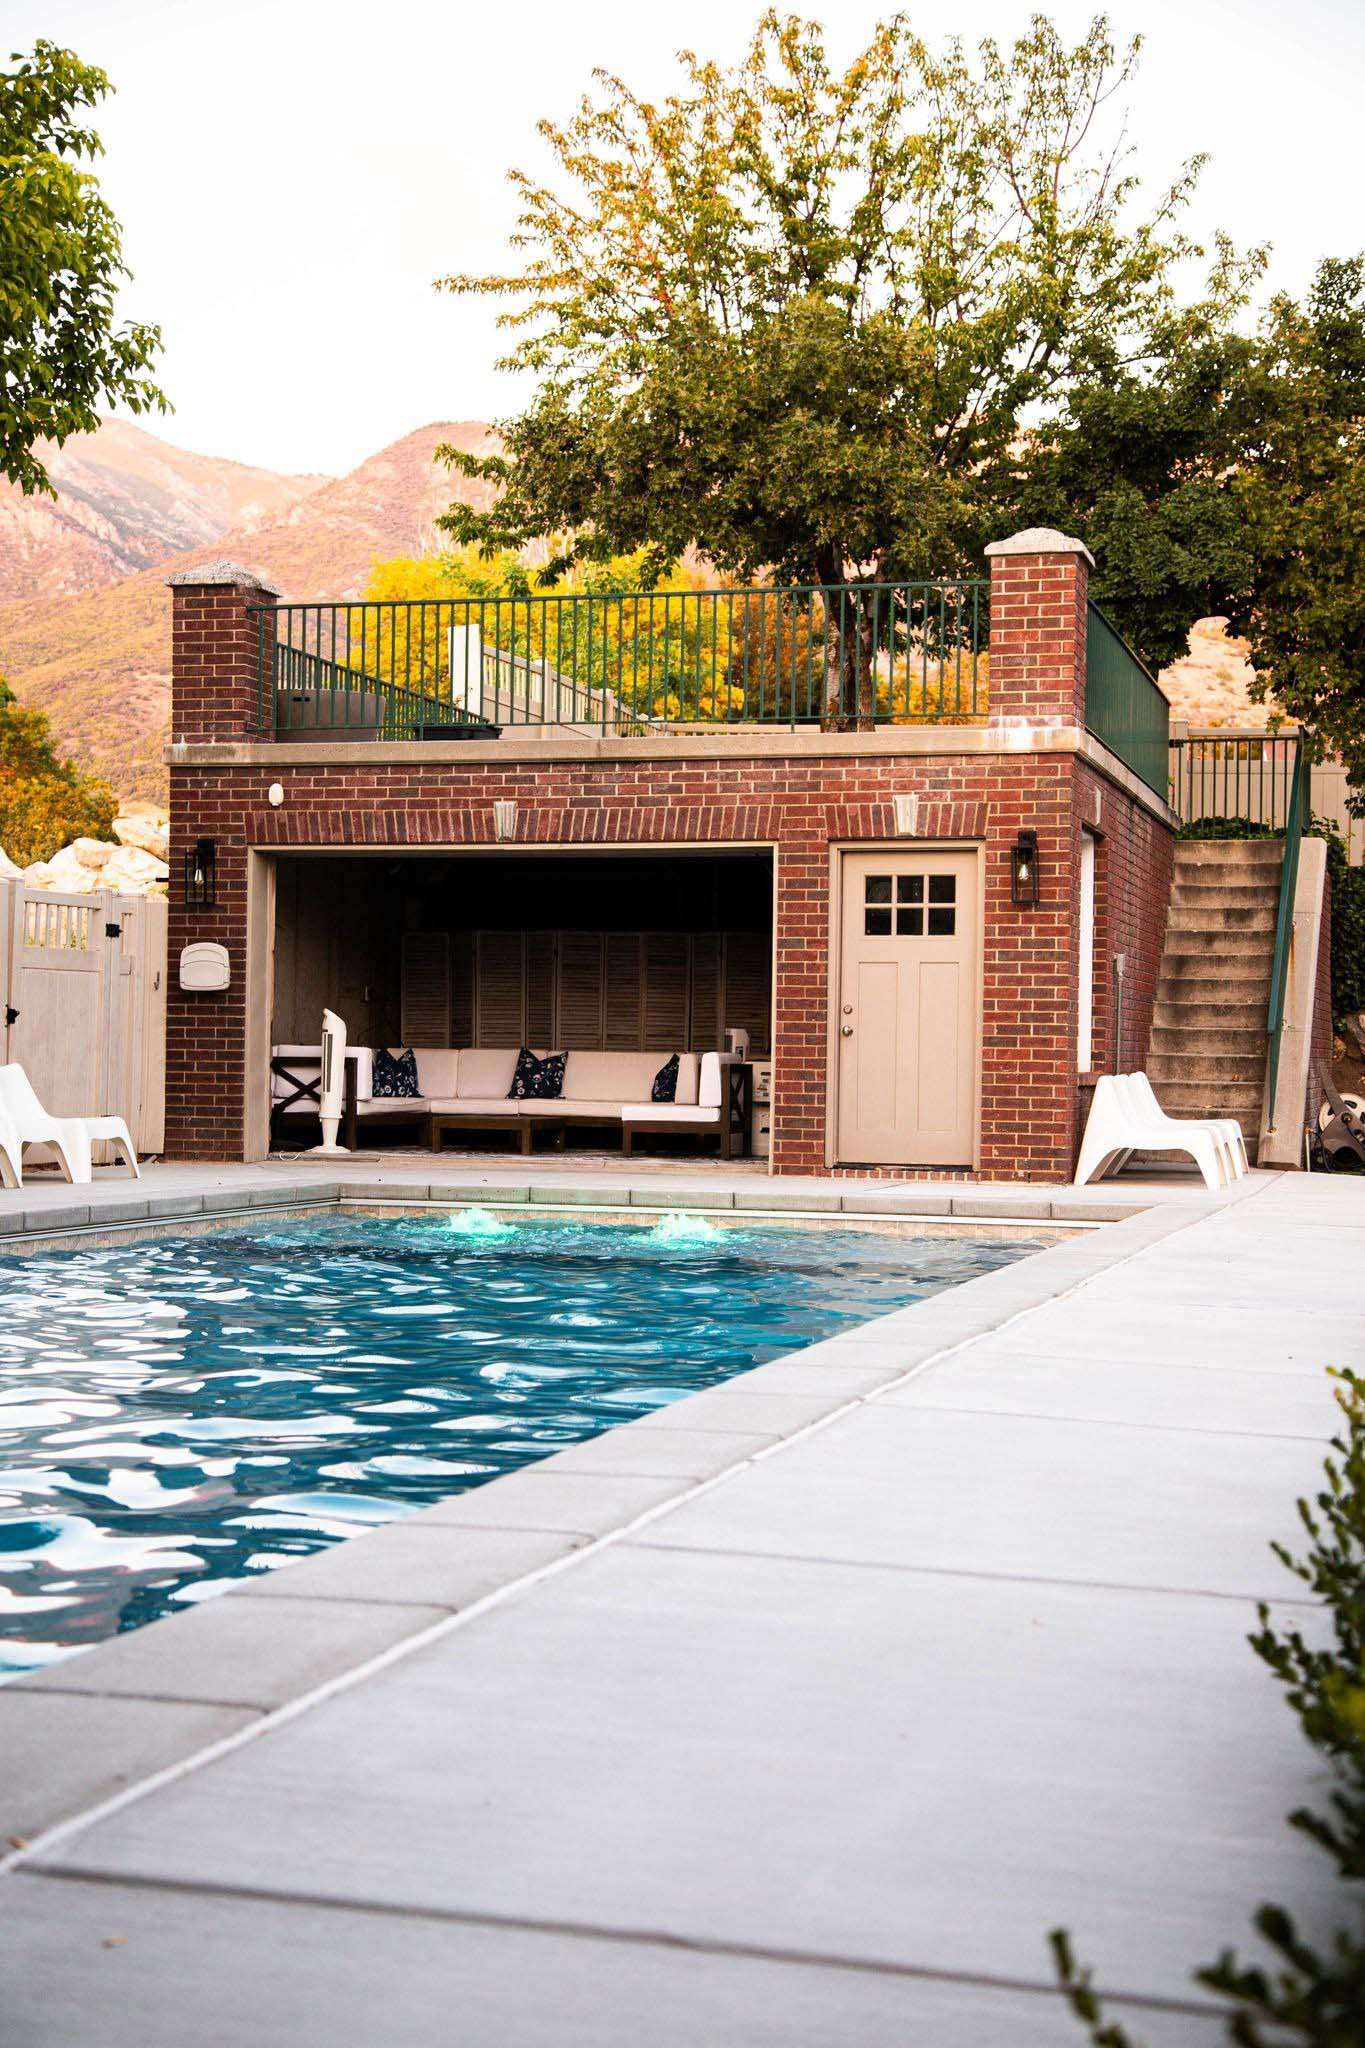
(215, 651)
(1039, 591)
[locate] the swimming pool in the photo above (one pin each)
(180, 1414)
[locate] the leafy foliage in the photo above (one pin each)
(1314, 1996)
(62, 355)
(795, 317)
(45, 801)
(1301, 493)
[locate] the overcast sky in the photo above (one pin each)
(292, 174)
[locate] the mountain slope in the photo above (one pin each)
(99, 662)
(127, 500)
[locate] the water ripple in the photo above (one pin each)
(179, 1415)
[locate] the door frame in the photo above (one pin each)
(905, 849)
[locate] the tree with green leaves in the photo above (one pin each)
(63, 354)
(803, 319)
(1300, 491)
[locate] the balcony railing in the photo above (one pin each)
(1124, 706)
(1227, 774)
(637, 662)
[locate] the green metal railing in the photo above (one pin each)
(1218, 773)
(1123, 705)
(858, 654)
(1297, 822)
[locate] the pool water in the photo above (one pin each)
(178, 1415)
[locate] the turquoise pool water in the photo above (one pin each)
(181, 1414)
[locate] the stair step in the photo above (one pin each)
(1212, 1076)
(1183, 1009)
(1231, 919)
(1240, 962)
(1209, 1042)
(1213, 896)
(1229, 853)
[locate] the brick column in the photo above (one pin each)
(214, 696)
(214, 651)
(1039, 587)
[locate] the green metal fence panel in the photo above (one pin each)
(1123, 705)
(1296, 824)
(859, 654)
(1227, 774)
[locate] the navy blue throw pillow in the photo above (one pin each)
(665, 1087)
(394, 1073)
(537, 1080)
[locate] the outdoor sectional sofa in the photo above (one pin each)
(465, 1088)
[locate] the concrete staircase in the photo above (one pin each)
(1207, 1056)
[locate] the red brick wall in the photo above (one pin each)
(214, 654)
(798, 805)
(1038, 622)
(1134, 860)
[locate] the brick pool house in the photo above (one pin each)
(861, 903)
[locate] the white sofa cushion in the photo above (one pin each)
(484, 1071)
(436, 1071)
(619, 1076)
(669, 1113)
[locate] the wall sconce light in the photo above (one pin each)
(201, 875)
(1024, 869)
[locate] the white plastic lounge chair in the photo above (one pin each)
(71, 1137)
(11, 1156)
(1225, 1128)
(1120, 1124)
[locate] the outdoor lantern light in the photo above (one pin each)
(1024, 869)
(201, 875)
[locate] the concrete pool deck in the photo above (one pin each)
(798, 1712)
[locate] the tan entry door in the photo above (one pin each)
(907, 1011)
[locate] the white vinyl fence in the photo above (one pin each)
(83, 1003)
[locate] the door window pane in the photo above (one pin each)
(910, 889)
(942, 923)
(877, 923)
(910, 922)
(877, 889)
(943, 888)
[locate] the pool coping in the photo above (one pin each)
(258, 1656)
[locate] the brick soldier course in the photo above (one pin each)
(1030, 767)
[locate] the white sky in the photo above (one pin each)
(292, 174)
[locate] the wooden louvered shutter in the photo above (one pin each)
(462, 988)
(706, 1020)
(665, 992)
(747, 1003)
(580, 991)
(499, 1009)
(425, 988)
(542, 952)
(622, 1007)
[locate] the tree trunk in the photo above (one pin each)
(850, 692)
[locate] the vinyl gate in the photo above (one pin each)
(83, 1003)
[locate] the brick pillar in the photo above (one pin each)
(214, 696)
(1039, 586)
(214, 651)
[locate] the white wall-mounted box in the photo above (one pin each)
(204, 967)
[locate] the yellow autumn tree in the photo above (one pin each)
(45, 800)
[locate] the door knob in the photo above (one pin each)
(846, 1031)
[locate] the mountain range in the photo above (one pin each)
(89, 642)
(85, 613)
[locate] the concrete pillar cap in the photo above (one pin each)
(222, 572)
(1040, 540)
